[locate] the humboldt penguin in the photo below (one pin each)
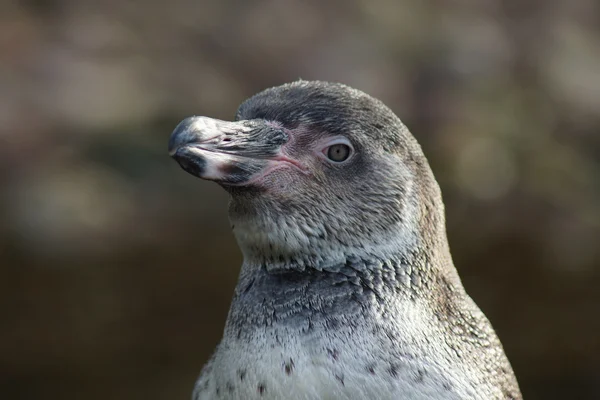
(347, 288)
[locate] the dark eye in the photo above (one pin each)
(338, 152)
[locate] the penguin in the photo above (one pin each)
(347, 288)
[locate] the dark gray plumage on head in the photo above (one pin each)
(347, 290)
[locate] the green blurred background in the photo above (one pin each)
(117, 268)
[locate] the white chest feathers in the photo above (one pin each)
(324, 368)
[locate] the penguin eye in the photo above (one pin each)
(338, 152)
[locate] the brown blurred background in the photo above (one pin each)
(117, 268)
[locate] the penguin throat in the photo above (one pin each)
(279, 249)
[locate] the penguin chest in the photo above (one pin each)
(326, 371)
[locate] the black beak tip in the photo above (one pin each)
(188, 162)
(180, 135)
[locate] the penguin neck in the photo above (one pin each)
(277, 248)
(338, 296)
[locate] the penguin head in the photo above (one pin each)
(317, 172)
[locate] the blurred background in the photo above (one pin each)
(117, 267)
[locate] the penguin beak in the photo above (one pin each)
(230, 153)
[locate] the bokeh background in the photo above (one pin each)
(117, 268)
